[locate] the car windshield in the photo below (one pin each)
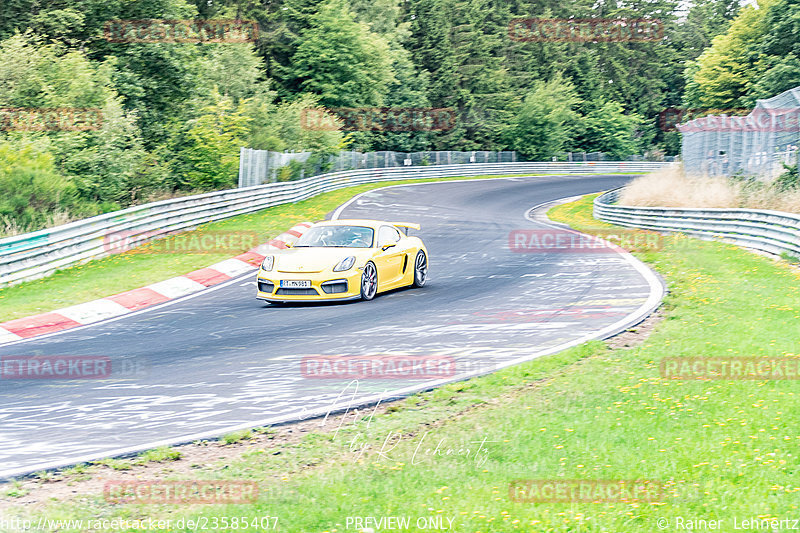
(336, 237)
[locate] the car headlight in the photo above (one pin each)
(345, 264)
(266, 265)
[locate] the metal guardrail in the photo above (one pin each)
(770, 231)
(38, 254)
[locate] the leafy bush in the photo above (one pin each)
(545, 120)
(789, 179)
(290, 172)
(30, 187)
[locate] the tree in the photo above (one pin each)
(460, 46)
(34, 74)
(280, 126)
(234, 69)
(408, 87)
(705, 20)
(610, 130)
(340, 60)
(779, 65)
(212, 158)
(108, 166)
(722, 76)
(30, 187)
(545, 121)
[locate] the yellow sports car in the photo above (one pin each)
(344, 260)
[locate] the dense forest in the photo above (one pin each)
(175, 114)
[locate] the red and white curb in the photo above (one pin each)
(136, 299)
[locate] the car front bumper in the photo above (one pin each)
(325, 286)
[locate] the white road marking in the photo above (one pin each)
(176, 287)
(232, 267)
(93, 311)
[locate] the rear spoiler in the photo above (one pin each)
(406, 226)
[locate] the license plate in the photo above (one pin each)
(295, 284)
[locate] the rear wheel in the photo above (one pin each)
(369, 282)
(420, 269)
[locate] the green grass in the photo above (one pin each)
(158, 455)
(14, 490)
(238, 436)
(786, 256)
(131, 270)
(722, 449)
(115, 464)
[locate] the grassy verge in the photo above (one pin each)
(724, 450)
(130, 270)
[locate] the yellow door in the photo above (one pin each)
(389, 260)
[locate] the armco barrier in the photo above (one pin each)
(771, 231)
(38, 254)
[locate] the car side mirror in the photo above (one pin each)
(385, 246)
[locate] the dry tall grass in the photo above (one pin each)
(670, 188)
(10, 227)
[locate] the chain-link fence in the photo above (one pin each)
(758, 144)
(585, 157)
(257, 167)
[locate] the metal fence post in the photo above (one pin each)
(242, 166)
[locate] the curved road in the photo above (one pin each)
(219, 360)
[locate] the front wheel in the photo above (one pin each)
(420, 269)
(369, 282)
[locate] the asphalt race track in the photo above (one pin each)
(219, 360)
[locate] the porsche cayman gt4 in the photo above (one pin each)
(344, 260)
